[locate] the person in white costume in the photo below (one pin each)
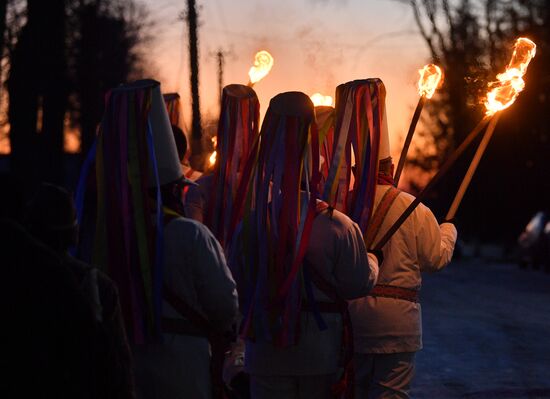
(387, 323)
(200, 295)
(311, 366)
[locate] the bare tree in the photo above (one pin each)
(37, 88)
(107, 49)
(473, 40)
(63, 56)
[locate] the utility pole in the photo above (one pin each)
(3, 6)
(196, 130)
(221, 62)
(220, 58)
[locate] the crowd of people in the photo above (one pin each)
(258, 280)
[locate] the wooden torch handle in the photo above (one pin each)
(408, 139)
(472, 168)
(442, 171)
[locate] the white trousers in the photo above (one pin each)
(292, 387)
(383, 376)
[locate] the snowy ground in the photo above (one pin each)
(486, 333)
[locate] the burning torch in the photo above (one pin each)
(263, 62)
(320, 100)
(430, 79)
(503, 94)
(214, 154)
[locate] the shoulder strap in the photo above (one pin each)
(380, 214)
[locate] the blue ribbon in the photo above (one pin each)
(311, 300)
(81, 187)
(159, 258)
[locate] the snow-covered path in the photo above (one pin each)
(486, 333)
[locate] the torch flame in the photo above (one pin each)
(318, 99)
(214, 154)
(263, 62)
(212, 158)
(430, 80)
(510, 83)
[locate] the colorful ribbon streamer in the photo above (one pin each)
(126, 242)
(236, 142)
(279, 200)
(359, 112)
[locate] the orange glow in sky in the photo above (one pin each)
(317, 45)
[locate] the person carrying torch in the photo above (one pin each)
(503, 93)
(386, 322)
(296, 263)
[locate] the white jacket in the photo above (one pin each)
(337, 251)
(387, 325)
(196, 271)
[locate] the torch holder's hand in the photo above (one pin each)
(451, 221)
(379, 255)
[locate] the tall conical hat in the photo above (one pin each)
(324, 116)
(173, 106)
(135, 151)
(165, 150)
(237, 137)
(280, 207)
(361, 138)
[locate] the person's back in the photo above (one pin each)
(175, 287)
(293, 272)
(196, 273)
(336, 252)
(390, 325)
(51, 218)
(52, 338)
(387, 323)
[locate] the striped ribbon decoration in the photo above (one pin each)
(324, 116)
(126, 242)
(173, 106)
(237, 138)
(278, 195)
(359, 111)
